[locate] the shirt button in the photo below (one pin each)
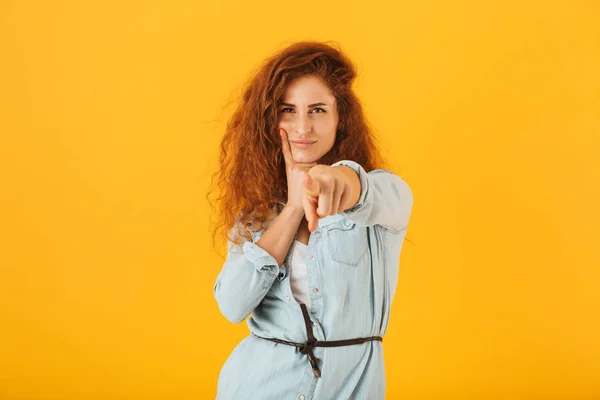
(302, 397)
(347, 223)
(318, 232)
(312, 257)
(316, 290)
(287, 298)
(315, 323)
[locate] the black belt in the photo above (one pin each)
(306, 347)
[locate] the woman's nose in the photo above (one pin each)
(303, 124)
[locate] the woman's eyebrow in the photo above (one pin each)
(310, 105)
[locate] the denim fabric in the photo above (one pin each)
(353, 260)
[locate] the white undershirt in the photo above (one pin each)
(298, 274)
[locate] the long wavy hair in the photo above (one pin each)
(252, 179)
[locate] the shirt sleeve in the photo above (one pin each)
(245, 278)
(385, 198)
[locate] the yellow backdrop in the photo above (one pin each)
(110, 119)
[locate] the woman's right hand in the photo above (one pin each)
(295, 173)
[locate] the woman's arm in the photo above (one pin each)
(385, 198)
(277, 239)
(247, 275)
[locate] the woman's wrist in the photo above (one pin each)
(295, 212)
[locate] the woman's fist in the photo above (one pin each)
(326, 191)
(320, 190)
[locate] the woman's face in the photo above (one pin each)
(308, 113)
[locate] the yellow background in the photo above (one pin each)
(110, 119)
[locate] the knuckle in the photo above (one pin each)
(321, 168)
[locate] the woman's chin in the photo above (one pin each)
(304, 158)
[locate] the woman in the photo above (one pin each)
(315, 229)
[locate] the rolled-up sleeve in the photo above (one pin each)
(245, 278)
(385, 198)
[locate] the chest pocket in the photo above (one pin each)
(347, 242)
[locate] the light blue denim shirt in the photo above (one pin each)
(353, 259)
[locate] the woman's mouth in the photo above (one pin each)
(303, 144)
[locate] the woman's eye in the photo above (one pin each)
(292, 110)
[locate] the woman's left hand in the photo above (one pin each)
(326, 191)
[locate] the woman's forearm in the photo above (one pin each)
(278, 238)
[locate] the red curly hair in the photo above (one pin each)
(252, 178)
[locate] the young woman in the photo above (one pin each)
(315, 227)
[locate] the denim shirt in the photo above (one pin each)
(353, 260)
